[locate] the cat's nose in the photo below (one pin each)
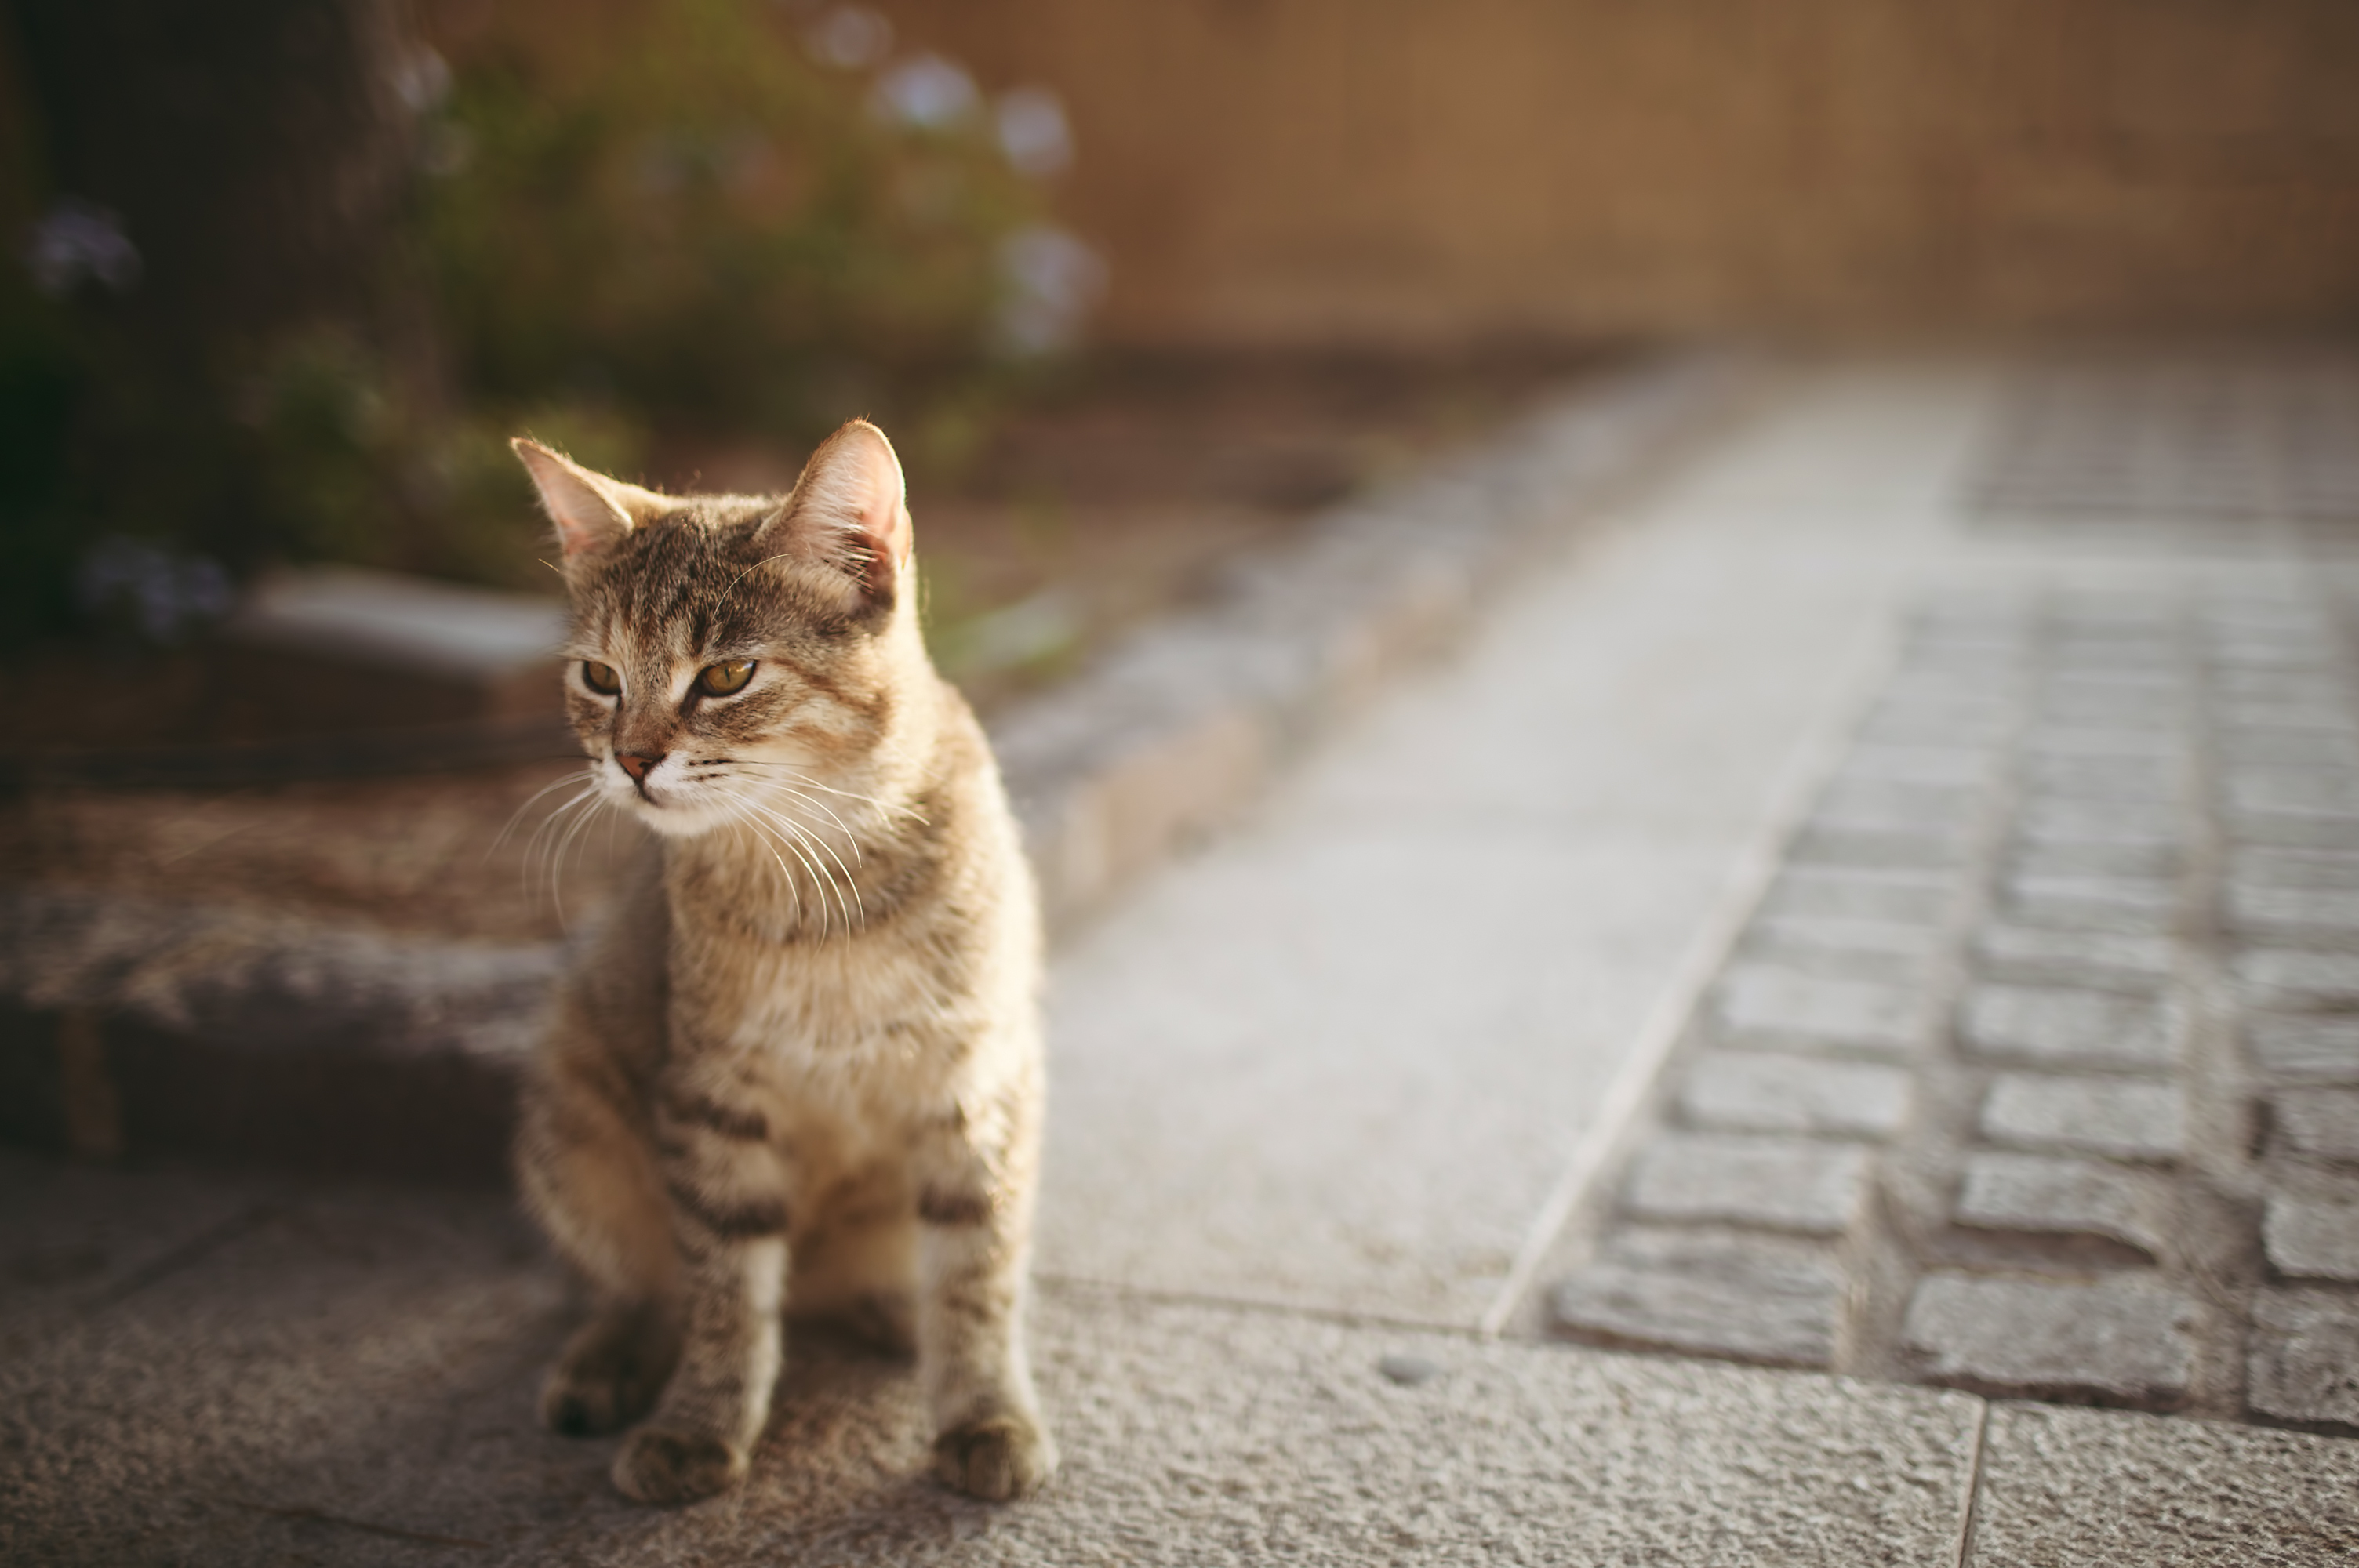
(639, 764)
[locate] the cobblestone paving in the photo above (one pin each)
(2037, 1071)
(2266, 436)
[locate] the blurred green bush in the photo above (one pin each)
(679, 220)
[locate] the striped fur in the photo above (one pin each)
(800, 1069)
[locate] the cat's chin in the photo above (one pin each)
(677, 819)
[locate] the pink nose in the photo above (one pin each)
(637, 763)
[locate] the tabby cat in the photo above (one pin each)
(801, 1066)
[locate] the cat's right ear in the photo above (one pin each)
(592, 513)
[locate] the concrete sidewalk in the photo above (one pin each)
(1334, 1099)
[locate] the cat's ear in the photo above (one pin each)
(850, 510)
(591, 511)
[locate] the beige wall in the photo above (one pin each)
(1383, 172)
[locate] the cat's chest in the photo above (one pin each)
(812, 1005)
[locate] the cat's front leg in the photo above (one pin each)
(729, 1220)
(976, 1204)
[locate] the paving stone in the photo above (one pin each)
(2321, 1050)
(2313, 1235)
(2291, 748)
(2128, 1340)
(2051, 821)
(2269, 868)
(2058, 1026)
(1842, 844)
(2086, 1116)
(1907, 953)
(2035, 1195)
(2323, 914)
(1892, 898)
(2323, 1123)
(2031, 953)
(2043, 744)
(1885, 807)
(2157, 859)
(2149, 780)
(1754, 1298)
(2319, 831)
(2302, 1357)
(1745, 1091)
(1952, 767)
(1776, 1183)
(2293, 792)
(2132, 905)
(1759, 1005)
(2298, 981)
(2093, 1488)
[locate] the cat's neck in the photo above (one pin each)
(831, 860)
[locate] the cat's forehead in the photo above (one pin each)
(693, 580)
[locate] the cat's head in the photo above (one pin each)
(740, 660)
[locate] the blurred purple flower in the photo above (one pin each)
(77, 239)
(1034, 132)
(851, 38)
(928, 91)
(167, 595)
(1052, 281)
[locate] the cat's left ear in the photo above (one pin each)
(850, 510)
(591, 511)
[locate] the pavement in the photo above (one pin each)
(1874, 903)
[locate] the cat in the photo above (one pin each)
(800, 1066)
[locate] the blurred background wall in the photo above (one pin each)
(1382, 172)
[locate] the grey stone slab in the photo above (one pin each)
(1881, 805)
(2137, 857)
(2298, 981)
(2037, 1196)
(2321, 1050)
(76, 1237)
(2035, 954)
(1748, 1297)
(2286, 829)
(1842, 844)
(2128, 1338)
(1776, 1183)
(2293, 792)
(1760, 1005)
(2271, 868)
(1897, 954)
(355, 1387)
(1743, 1091)
(2323, 1123)
(2076, 1488)
(2063, 1026)
(2051, 821)
(2157, 780)
(2111, 1117)
(2303, 1355)
(2133, 905)
(1948, 767)
(1888, 898)
(2289, 748)
(2315, 914)
(2055, 744)
(2312, 1235)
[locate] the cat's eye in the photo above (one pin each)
(601, 678)
(723, 680)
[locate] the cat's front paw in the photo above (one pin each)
(658, 1466)
(994, 1457)
(590, 1402)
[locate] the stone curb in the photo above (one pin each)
(137, 1028)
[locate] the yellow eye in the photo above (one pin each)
(601, 678)
(721, 680)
